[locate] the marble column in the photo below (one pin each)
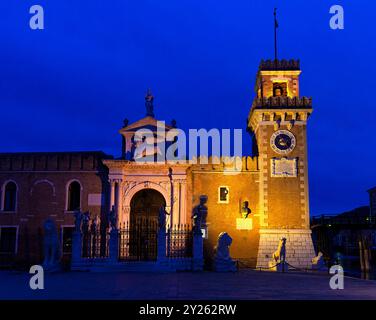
(183, 202)
(117, 200)
(175, 215)
(112, 193)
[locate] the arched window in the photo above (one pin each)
(10, 194)
(74, 196)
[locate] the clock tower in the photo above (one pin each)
(278, 120)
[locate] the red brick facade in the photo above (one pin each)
(42, 183)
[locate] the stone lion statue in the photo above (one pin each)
(280, 254)
(51, 247)
(222, 259)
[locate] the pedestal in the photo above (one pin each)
(198, 257)
(278, 267)
(76, 247)
(299, 247)
(224, 265)
(114, 246)
(161, 251)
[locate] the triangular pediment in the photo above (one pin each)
(144, 123)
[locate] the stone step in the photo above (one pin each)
(137, 266)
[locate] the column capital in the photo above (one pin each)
(179, 181)
(115, 180)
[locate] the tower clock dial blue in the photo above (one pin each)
(283, 141)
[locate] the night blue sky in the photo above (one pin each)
(69, 86)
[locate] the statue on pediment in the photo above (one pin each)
(149, 99)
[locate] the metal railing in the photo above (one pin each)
(179, 241)
(330, 220)
(95, 244)
(138, 240)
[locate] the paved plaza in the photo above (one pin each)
(246, 284)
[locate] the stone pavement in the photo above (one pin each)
(246, 284)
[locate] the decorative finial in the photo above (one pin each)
(125, 122)
(149, 98)
(173, 123)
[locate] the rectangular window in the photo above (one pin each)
(223, 194)
(67, 235)
(8, 240)
(279, 89)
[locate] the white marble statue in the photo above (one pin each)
(222, 259)
(51, 247)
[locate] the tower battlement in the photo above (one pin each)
(282, 102)
(279, 65)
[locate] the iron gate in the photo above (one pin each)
(138, 240)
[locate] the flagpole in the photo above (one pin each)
(275, 34)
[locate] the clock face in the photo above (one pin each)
(283, 141)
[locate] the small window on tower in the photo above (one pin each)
(279, 89)
(223, 194)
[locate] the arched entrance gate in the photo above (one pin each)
(138, 240)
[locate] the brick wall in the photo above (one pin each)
(222, 217)
(42, 180)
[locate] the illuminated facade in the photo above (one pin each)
(278, 119)
(273, 182)
(264, 201)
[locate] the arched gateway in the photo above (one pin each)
(145, 205)
(142, 228)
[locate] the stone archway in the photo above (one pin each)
(143, 224)
(145, 205)
(131, 188)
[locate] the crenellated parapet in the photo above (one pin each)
(282, 102)
(52, 161)
(279, 65)
(224, 163)
(229, 164)
(277, 118)
(279, 111)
